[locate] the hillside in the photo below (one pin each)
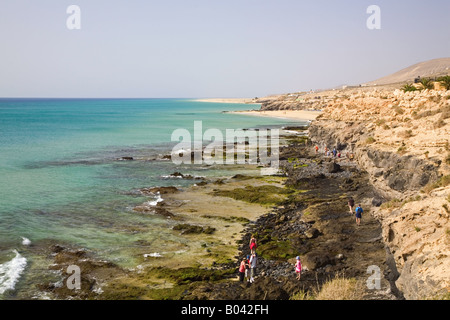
(431, 68)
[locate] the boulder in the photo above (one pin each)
(312, 233)
(315, 260)
(333, 167)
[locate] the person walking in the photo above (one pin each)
(247, 269)
(253, 244)
(298, 268)
(351, 204)
(253, 260)
(359, 211)
(242, 267)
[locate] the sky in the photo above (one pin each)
(210, 48)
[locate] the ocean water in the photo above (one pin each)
(60, 179)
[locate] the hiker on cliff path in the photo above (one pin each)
(247, 269)
(242, 269)
(351, 204)
(298, 268)
(358, 215)
(253, 244)
(253, 260)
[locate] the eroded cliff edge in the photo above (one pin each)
(402, 140)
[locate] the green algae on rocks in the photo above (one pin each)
(265, 195)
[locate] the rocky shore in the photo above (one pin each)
(314, 223)
(398, 172)
(304, 213)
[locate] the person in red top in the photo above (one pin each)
(242, 269)
(253, 244)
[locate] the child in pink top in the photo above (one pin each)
(298, 268)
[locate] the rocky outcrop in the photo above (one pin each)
(393, 174)
(297, 101)
(402, 141)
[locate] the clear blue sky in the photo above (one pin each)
(210, 48)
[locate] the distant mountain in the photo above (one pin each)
(431, 68)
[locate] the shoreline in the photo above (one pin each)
(228, 100)
(194, 206)
(294, 222)
(300, 115)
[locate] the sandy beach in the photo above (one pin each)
(228, 100)
(284, 114)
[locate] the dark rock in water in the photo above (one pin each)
(179, 175)
(299, 128)
(240, 177)
(333, 167)
(144, 208)
(126, 158)
(164, 212)
(57, 248)
(192, 229)
(161, 190)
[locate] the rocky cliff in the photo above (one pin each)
(402, 141)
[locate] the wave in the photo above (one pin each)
(155, 202)
(11, 271)
(153, 255)
(26, 241)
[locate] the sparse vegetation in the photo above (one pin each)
(445, 206)
(265, 195)
(406, 134)
(396, 203)
(339, 288)
(427, 83)
(409, 87)
(370, 140)
(445, 82)
(439, 123)
(402, 150)
(442, 182)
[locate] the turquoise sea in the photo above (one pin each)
(61, 180)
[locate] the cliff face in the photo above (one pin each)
(402, 141)
(293, 101)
